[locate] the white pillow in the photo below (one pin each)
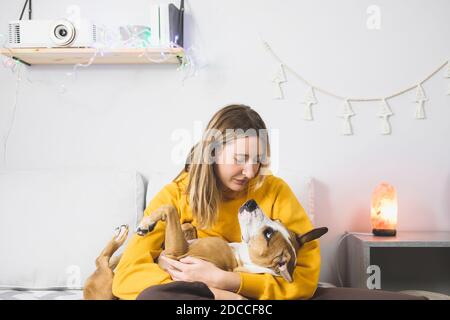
(302, 186)
(54, 223)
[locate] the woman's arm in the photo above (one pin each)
(229, 281)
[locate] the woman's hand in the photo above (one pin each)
(193, 269)
(223, 284)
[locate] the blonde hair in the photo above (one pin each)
(203, 188)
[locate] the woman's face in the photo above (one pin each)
(238, 162)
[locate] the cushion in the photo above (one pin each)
(54, 223)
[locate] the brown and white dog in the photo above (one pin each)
(267, 246)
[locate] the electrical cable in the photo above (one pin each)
(345, 235)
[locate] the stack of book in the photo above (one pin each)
(166, 25)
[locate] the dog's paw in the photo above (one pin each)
(121, 234)
(147, 225)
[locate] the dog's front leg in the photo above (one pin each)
(149, 222)
(175, 242)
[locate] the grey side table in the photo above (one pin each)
(408, 261)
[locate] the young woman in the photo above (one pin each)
(225, 169)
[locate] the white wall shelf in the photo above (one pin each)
(42, 56)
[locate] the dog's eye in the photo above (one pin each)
(268, 232)
(281, 262)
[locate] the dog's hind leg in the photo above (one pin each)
(103, 260)
(175, 243)
(99, 284)
(114, 261)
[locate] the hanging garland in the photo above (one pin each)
(309, 99)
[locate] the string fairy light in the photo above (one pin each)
(108, 39)
(18, 71)
(7, 62)
(190, 61)
(347, 112)
(139, 37)
(189, 65)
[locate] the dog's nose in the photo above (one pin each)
(250, 205)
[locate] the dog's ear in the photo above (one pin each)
(287, 265)
(311, 235)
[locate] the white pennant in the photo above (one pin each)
(278, 79)
(308, 101)
(384, 113)
(420, 100)
(346, 114)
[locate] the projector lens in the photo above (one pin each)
(63, 33)
(60, 32)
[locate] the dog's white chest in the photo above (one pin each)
(240, 250)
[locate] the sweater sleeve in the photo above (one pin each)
(137, 269)
(306, 274)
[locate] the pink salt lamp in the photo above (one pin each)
(383, 211)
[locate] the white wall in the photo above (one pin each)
(124, 116)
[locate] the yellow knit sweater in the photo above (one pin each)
(137, 269)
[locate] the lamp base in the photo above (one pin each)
(384, 232)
